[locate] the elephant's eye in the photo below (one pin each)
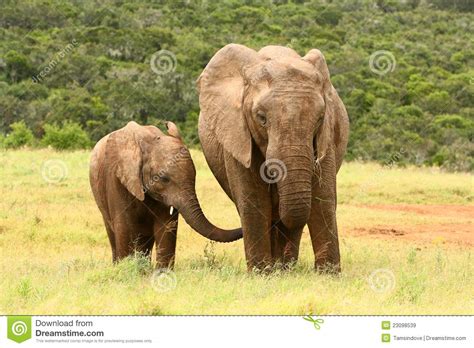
(164, 179)
(262, 119)
(161, 177)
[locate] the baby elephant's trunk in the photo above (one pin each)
(192, 213)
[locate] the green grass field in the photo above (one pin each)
(55, 256)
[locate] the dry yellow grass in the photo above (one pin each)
(55, 257)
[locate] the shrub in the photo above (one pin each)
(68, 137)
(20, 135)
(18, 66)
(452, 121)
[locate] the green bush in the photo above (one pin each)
(19, 136)
(68, 137)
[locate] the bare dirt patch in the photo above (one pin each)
(459, 228)
(446, 210)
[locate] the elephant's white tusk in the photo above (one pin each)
(171, 210)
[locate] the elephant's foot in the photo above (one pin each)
(165, 261)
(327, 267)
(263, 266)
(328, 260)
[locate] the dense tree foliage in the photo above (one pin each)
(403, 68)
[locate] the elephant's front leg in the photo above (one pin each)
(256, 230)
(322, 222)
(165, 231)
(252, 198)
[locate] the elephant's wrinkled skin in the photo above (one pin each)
(275, 105)
(137, 175)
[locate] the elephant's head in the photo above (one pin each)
(279, 102)
(150, 163)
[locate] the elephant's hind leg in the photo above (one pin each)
(110, 234)
(127, 235)
(145, 241)
(277, 246)
(285, 244)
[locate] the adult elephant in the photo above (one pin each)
(274, 132)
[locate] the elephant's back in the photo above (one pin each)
(277, 52)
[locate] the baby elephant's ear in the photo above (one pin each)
(124, 157)
(173, 130)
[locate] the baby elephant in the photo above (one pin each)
(141, 179)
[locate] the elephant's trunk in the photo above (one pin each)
(295, 189)
(191, 211)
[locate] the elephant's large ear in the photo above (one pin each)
(335, 112)
(124, 157)
(221, 89)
